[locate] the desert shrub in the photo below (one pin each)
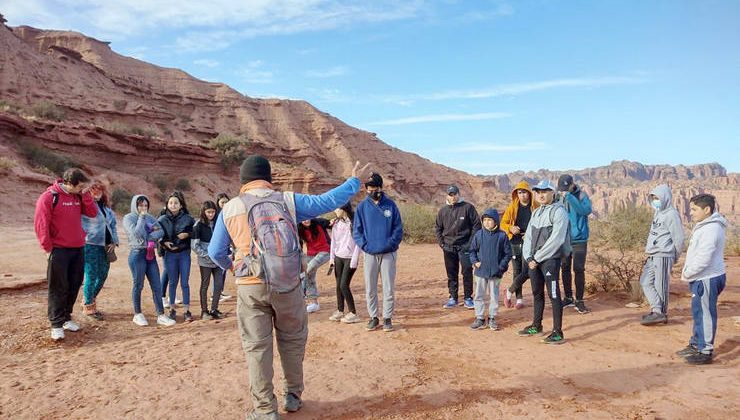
(732, 243)
(184, 118)
(617, 247)
(6, 164)
(45, 159)
(9, 107)
(231, 149)
(126, 129)
(121, 200)
(119, 104)
(183, 184)
(48, 111)
(162, 182)
(418, 223)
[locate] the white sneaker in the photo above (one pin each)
(350, 318)
(165, 320)
(224, 297)
(57, 334)
(178, 301)
(312, 307)
(140, 320)
(71, 326)
(336, 316)
(165, 303)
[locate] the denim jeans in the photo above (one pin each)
(140, 267)
(178, 270)
(313, 262)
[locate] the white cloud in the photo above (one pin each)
(329, 95)
(254, 73)
(443, 118)
(335, 71)
(206, 62)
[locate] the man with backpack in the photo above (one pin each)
(58, 225)
(262, 224)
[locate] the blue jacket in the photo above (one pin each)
(377, 228)
(491, 248)
(578, 206)
(95, 227)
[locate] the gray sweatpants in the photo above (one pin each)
(655, 278)
(385, 266)
(258, 312)
(481, 284)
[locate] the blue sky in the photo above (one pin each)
(484, 86)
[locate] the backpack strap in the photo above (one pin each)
(289, 198)
(54, 198)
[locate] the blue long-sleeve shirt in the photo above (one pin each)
(578, 206)
(377, 228)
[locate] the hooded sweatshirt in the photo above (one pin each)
(509, 218)
(578, 206)
(547, 233)
(60, 225)
(666, 231)
(140, 229)
(491, 248)
(455, 224)
(343, 244)
(377, 228)
(704, 257)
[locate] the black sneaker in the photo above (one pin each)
(654, 318)
(530, 330)
(567, 302)
(387, 325)
(205, 316)
(581, 307)
(173, 315)
(492, 324)
(478, 324)
(555, 337)
(373, 324)
(699, 359)
(687, 351)
(188, 316)
(216, 314)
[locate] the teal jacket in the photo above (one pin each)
(578, 206)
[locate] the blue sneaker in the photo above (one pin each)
(450, 304)
(469, 303)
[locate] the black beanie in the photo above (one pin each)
(374, 180)
(255, 167)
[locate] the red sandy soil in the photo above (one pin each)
(432, 366)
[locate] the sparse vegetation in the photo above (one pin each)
(418, 223)
(617, 248)
(162, 182)
(183, 184)
(184, 118)
(119, 104)
(121, 201)
(732, 243)
(48, 111)
(6, 164)
(126, 129)
(231, 149)
(47, 160)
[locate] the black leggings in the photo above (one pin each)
(343, 274)
(521, 271)
(218, 286)
(547, 274)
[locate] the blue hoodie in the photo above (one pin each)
(578, 206)
(377, 228)
(491, 248)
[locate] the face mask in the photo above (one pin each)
(655, 204)
(375, 195)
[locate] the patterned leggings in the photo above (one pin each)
(96, 271)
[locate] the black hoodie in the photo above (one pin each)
(455, 225)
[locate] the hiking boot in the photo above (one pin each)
(188, 316)
(478, 324)
(451, 303)
(507, 299)
(140, 320)
(699, 359)
(57, 334)
(206, 316)
(687, 351)
(468, 303)
(163, 319)
(519, 303)
(581, 307)
(567, 302)
(492, 324)
(530, 330)
(387, 325)
(654, 318)
(216, 314)
(555, 337)
(173, 315)
(254, 415)
(293, 403)
(373, 324)
(350, 318)
(336, 316)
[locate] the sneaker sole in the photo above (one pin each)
(650, 323)
(388, 329)
(554, 342)
(372, 329)
(529, 335)
(482, 327)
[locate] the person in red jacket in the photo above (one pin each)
(313, 233)
(58, 225)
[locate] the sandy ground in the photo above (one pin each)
(433, 366)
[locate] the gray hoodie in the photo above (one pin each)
(704, 257)
(141, 229)
(546, 233)
(666, 231)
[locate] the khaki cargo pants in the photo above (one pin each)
(258, 311)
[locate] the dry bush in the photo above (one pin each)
(48, 111)
(231, 149)
(47, 160)
(418, 223)
(121, 200)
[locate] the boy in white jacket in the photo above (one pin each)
(704, 270)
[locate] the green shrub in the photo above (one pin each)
(48, 160)
(231, 149)
(119, 104)
(162, 182)
(48, 111)
(418, 223)
(121, 201)
(617, 245)
(182, 184)
(6, 164)
(126, 129)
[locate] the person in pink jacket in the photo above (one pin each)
(344, 256)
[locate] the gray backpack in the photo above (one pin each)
(275, 255)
